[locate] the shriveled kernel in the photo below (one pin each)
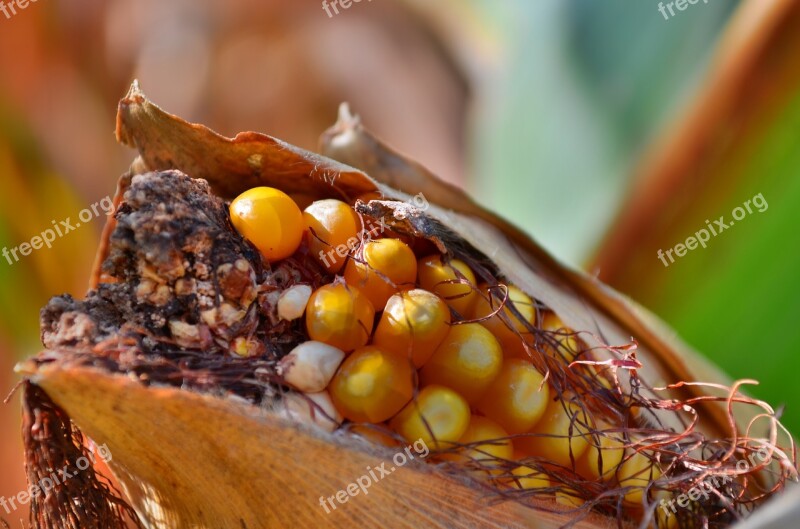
(468, 360)
(310, 366)
(438, 416)
(554, 439)
(292, 302)
(385, 267)
(447, 281)
(510, 331)
(488, 444)
(312, 409)
(332, 230)
(636, 471)
(607, 450)
(269, 219)
(339, 315)
(517, 398)
(413, 324)
(372, 385)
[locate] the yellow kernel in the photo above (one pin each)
(468, 360)
(495, 447)
(555, 442)
(332, 231)
(339, 315)
(561, 334)
(385, 267)
(608, 451)
(372, 385)
(270, 219)
(413, 324)
(637, 471)
(511, 330)
(568, 498)
(526, 478)
(437, 415)
(443, 280)
(516, 399)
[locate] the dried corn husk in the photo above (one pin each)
(190, 460)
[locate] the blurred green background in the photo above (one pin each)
(547, 111)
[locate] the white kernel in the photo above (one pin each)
(319, 413)
(310, 366)
(293, 301)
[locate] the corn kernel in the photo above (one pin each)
(292, 302)
(568, 498)
(312, 409)
(413, 325)
(562, 334)
(496, 447)
(386, 266)
(437, 415)
(636, 471)
(269, 219)
(556, 442)
(332, 231)
(516, 399)
(509, 332)
(339, 315)
(609, 448)
(434, 275)
(310, 366)
(467, 361)
(372, 385)
(526, 478)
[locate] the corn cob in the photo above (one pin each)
(496, 363)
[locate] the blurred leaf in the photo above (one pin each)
(31, 198)
(585, 85)
(737, 299)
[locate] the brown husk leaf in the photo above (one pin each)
(186, 459)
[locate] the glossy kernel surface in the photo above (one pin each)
(340, 316)
(556, 441)
(467, 361)
(413, 324)
(438, 416)
(384, 267)
(332, 231)
(444, 280)
(516, 399)
(270, 219)
(372, 385)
